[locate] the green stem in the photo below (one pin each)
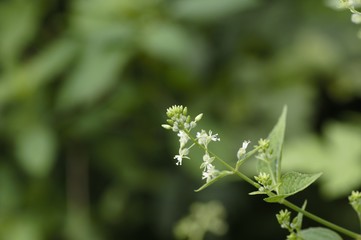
(285, 202)
(238, 173)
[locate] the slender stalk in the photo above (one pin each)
(238, 173)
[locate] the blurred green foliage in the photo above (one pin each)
(84, 85)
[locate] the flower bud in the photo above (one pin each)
(199, 117)
(166, 126)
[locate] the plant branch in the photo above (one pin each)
(285, 202)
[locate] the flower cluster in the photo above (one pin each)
(284, 219)
(203, 139)
(180, 122)
(209, 170)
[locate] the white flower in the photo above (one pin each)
(175, 127)
(204, 138)
(183, 152)
(214, 137)
(207, 160)
(183, 138)
(209, 173)
(242, 150)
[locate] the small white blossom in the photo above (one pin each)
(175, 127)
(207, 160)
(183, 138)
(242, 150)
(193, 124)
(190, 126)
(214, 137)
(183, 152)
(209, 173)
(204, 138)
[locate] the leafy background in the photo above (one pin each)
(83, 90)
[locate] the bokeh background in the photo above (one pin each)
(84, 86)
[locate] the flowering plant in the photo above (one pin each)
(270, 181)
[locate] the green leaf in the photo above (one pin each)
(221, 175)
(292, 183)
(319, 233)
(273, 165)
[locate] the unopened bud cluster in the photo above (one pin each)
(179, 120)
(284, 219)
(355, 201)
(264, 152)
(264, 179)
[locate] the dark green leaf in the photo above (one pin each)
(292, 183)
